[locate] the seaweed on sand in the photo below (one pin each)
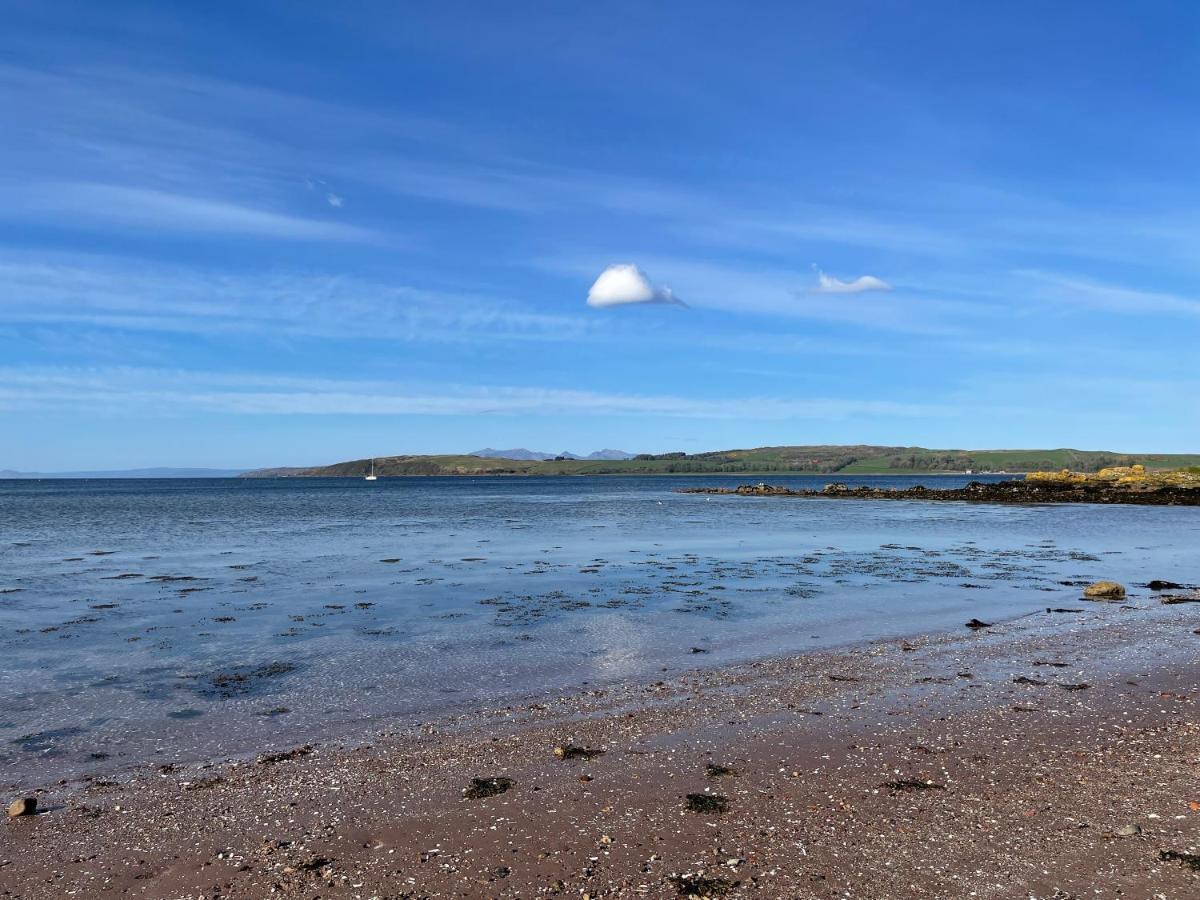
(702, 885)
(912, 785)
(716, 770)
(487, 787)
(707, 803)
(571, 751)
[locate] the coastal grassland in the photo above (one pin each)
(814, 459)
(1013, 461)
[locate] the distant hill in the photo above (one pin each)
(129, 473)
(825, 459)
(610, 454)
(522, 453)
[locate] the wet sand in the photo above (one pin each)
(903, 768)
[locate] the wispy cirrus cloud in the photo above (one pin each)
(108, 206)
(128, 390)
(137, 296)
(172, 154)
(1053, 287)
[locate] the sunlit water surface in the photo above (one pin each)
(191, 618)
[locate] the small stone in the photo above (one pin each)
(1128, 831)
(1104, 590)
(605, 839)
(22, 806)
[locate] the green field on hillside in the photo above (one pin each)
(822, 459)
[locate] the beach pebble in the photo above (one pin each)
(1104, 590)
(22, 806)
(1127, 831)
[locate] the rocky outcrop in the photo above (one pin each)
(1029, 491)
(1104, 590)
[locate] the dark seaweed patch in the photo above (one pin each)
(912, 785)
(44, 741)
(1191, 860)
(570, 751)
(707, 803)
(702, 885)
(242, 680)
(487, 787)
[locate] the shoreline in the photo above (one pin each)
(996, 795)
(890, 473)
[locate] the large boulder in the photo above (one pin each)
(1104, 590)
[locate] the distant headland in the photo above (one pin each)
(1119, 484)
(814, 460)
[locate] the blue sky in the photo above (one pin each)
(289, 233)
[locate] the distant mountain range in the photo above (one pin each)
(523, 454)
(129, 473)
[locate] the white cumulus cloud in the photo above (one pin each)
(625, 284)
(827, 284)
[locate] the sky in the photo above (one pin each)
(291, 233)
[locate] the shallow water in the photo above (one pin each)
(192, 618)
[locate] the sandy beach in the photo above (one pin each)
(1053, 756)
(594, 451)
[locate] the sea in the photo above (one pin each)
(165, 620)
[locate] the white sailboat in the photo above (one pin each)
(371, 476)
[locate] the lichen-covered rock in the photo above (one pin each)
(1104, 590)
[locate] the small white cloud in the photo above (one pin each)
(334, 200)
(827, 284)
(625, 284)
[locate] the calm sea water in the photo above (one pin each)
(182, 619)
